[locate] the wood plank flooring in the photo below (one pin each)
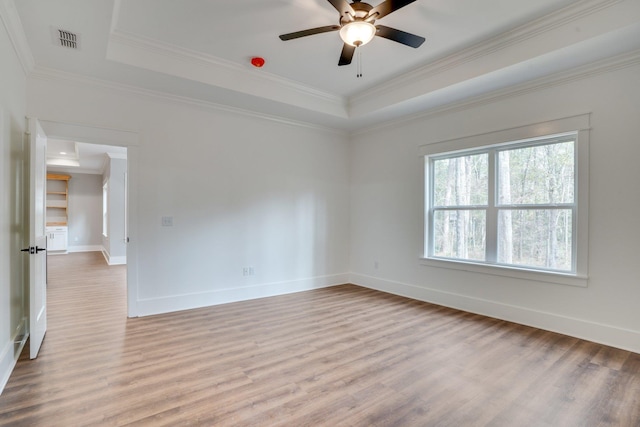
(343, 356)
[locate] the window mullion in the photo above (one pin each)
(492, 211)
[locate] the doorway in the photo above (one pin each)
(98, 215)
(86, 199)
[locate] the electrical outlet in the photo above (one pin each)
(248, 271)
(167, 221)
(376, 264)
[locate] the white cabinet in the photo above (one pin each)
(57, 239)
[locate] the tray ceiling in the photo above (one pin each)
(201, 50)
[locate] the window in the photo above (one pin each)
(105, 208)
(511, 205)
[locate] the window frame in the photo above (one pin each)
(532, 135)
(105, 209)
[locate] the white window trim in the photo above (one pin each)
(579, 124)
(105, 209)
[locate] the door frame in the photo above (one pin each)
(123, 138)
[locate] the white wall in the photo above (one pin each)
(387, 212)
(249, 192)
(114, 243)
(85, 212)
(12, 128)
(242, 191)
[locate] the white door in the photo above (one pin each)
(37, 238)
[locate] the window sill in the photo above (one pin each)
(516, 273)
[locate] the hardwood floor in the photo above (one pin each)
(342, 356)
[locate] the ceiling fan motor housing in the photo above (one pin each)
(361, 9)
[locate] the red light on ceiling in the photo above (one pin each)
(257, 62)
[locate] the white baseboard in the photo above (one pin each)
(171, 303)
(113, 260)
(613, 336)
(11, 352)
(57, 252)
(85, 248)
(117, 260)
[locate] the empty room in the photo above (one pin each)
(332, 213)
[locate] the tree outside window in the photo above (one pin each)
(511, 204)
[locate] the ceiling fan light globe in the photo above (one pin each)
(357, 33)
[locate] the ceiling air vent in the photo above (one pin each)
(66, 38)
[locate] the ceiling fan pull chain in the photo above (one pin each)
(358, 63)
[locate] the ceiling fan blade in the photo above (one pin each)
(347, 54)
(343, 7)
(388, 6)
(399, 36)
(309, 32)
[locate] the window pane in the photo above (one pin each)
(460, 181)
(536, 175)
(460, 234)
(535, 238)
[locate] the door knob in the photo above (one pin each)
(39, 249)
(30, 249)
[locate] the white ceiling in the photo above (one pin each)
(79, 157)
(201, 49)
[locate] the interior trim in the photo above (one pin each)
(611, 335)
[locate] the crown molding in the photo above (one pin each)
(74, 170)
(600, 67)
(196, 57)
(54, 75)
(565, 77)
(13, 25)
(90, 133)
(140, 51)
(484, 48)
(116, 155)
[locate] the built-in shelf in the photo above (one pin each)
(57, 199)
(60, 204)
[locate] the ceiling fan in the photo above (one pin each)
(357, 26)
